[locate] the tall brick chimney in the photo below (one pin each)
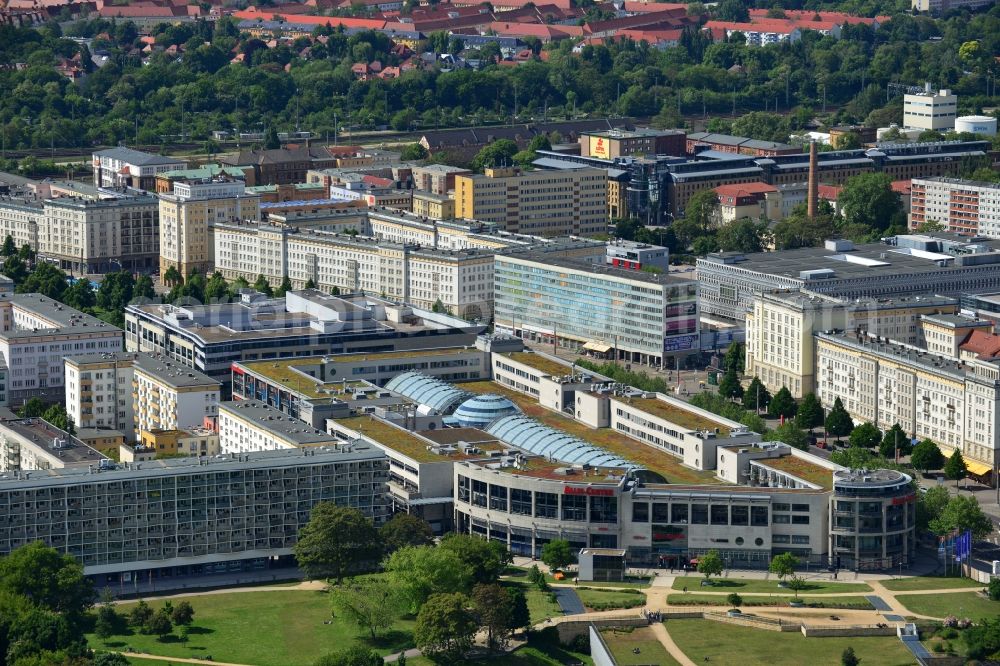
(812, 196)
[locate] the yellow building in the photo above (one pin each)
(189, 215)
(434, 206)
(538, 203)
(189, 442)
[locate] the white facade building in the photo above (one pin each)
(930, 110)
(124, 167)
(963, 206)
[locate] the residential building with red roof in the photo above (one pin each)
(754, 200)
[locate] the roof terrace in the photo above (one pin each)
(678, 415)
(541, 363)
(802, 469)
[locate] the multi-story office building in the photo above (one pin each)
(437, 178)
(905, 265)
(929, 110)
(37, 332)
(962, 206)
(176, 441)
(121, 167)
(628, 315)
(281, 166)
(165, 181)
(954, 402)
(459, 280)
(538, 203)
(637, 256)
(189, 215)
(872, 515)
(433, 206)
(211, 338)
(135, 392)
(609, 144)
(780, 330)
(199, 515)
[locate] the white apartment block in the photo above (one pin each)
(36, 333)
(462, 280)
(929, 110)
(936, 6)
(86, 235)
(962, 206)
(133, 392)
(954, 403)
(187, 218)
(780, 329)
(246, 426)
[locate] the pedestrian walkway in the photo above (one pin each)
(179, 660)
(877, 602)
(662, 635)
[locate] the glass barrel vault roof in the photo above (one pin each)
(427, 391)
(539, 439)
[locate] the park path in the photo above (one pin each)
(662, 635)
(179, 660)
(315, 585)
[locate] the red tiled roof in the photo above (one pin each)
(744, 189)
(254, 14)
(647, 7)
(982, 343)
(902, 186)
(805, 16)
(137, 12)
(829, 192)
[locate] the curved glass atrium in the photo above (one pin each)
(429, 392)
(539, 439)
(481, 410)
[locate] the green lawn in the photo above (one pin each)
(929, 583)
(135, 661)
(961, 604)
(540, 651)
(693, 584)
(279, 628)
(640, 583)
(541, 605)
(610, 599)
(732, 644)
(694, 599)
(623, 643)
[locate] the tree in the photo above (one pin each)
(405, 529)
(848, 658)
(172, 277)
(743, 235)
(955, 467)
(140, 615)
(734, 600)
(216, 289)
(494, 609)
(357, 655)
(80, 295)
(791, 434)
(271, 140)
(445, 627)
(263, 286)
(838, 422)
(14, 268)
(810, 414)
(160, 624)
(335, 541)
(868, 201)
(486, 558)
(849, 141)
(700, 216)
(735, 358)
(110, 659)
(983, 638)
(993, 589)
(796, 584)
(756, 395)
(57, 416)
(893, 439)
(421, 571)
(143, 288)
(930, 505)
(49, 579)
(413, 151)
(927, 456)
(182, 614)
(865, 436)
(45, 279)
(783, 404)
(732, 10)
(783, 565)
(104, 628)
(284, 287)
(310, 284)
(369, 603)
(730, 386)
(710, 564)
(9, 248)
(497, 153)
(961, 514)
(520, 616)
(557, 554)
(34, 407)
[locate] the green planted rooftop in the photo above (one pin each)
(802, 469)
(540, 363)
(685, 418)
(409, 444)
(281, 372)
